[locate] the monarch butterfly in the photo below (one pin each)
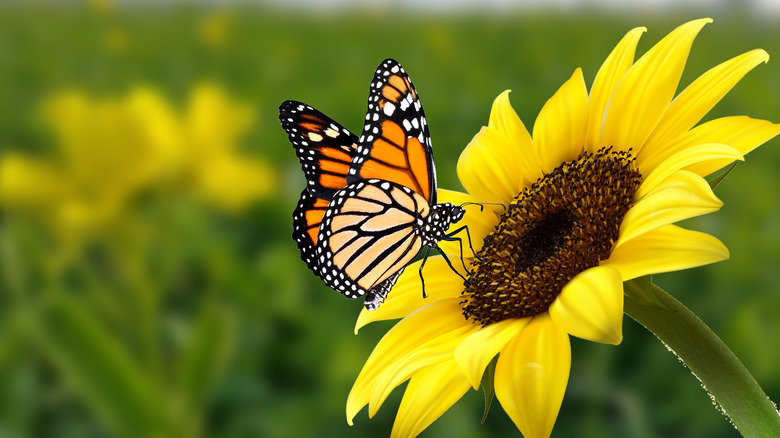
(370, 205)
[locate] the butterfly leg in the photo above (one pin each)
(451, 238)
(446, 259)
(425, 258)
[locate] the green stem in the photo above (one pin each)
(711, 361)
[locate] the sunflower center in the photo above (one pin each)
(566, 222)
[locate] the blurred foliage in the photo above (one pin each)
(148, 284)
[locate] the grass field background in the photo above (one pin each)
(182, 308)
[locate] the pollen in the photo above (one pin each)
(566, 222)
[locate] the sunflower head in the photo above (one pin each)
(565, 223)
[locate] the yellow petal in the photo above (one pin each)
(411, 332)
(475, 352)
(680, 160)
(505, 120)
(435, 351)
(560, 127)
(233, 182)
(429, 394)
(29, 183)
(479, 220)
(590, 306)
(531, 376)
(666, 249)
(406, 296)
(65, 112)
(701, 96)
(741, 132)
(157, 121)
(744, 144)
(215, 121)
(490, 167)
(646, 89)
(681, 196)
(608, 77)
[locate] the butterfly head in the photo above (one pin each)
(445, 214)
(455, 212)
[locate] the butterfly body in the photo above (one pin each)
(369, 207)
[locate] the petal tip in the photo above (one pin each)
(350, 415)
(614, 338)
(697, 24)
(762, 55)
(361, 321)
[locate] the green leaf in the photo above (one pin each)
(641, 290)
(98, 368)
(488, 386)
(717, 180)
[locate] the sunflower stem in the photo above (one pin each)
(731, 386)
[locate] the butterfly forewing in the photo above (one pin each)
(368, 235)
(324, 147)
(395, 144)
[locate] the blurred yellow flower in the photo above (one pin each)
(212, 128)
(107, 151)
(110, 150)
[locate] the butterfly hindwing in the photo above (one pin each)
(306, 226)
(395, 144)
(368, 235)
(324, 147)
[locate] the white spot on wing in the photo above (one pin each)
(390, 108)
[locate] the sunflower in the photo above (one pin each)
(591, 198)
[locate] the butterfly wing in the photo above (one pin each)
(306, 226)
(367, 237)
(324, 148)
(395, 144)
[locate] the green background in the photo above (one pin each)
(222, 332)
